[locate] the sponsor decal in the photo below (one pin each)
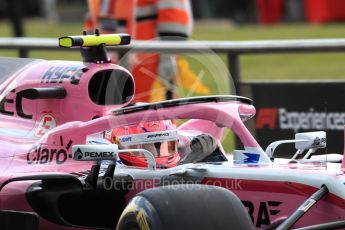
(7, 101)
(148, 137)
(78, 154)
(310, 120)
(54, 74)
(57, 74)
(99, 154)
(319, 141)
(14, 101)
(158, 135)
(251, 158)
(46, 123)
(45, 155)
(41, 155)
(267, 117)
(142, 221)
(245, 157)
(125, 139)
(261, 214)
(88, 155)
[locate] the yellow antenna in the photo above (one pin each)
(92, 47)
(94, 40)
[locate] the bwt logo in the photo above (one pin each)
(311, 120)
(125, 139)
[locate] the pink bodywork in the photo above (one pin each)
(22, 141)
(20, 138)
(20, 135)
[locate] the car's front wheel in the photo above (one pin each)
(187, 206)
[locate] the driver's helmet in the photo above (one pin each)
(158, 137)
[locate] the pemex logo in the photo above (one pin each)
(78, 154)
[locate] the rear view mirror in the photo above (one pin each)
(101, 152)
(310, 140)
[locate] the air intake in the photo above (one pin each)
(111, 87)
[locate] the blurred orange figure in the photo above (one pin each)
(145, 20)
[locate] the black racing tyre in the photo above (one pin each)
(188, 206)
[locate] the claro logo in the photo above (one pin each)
(42, 154)
(312, 120)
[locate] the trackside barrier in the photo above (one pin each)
(295, 106)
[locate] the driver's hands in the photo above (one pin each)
(201, 147)
(203, 144)
(167, 69)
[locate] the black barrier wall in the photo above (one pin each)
(285, 108)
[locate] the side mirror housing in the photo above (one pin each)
(101, 152)
(310, 140)
(303, 141)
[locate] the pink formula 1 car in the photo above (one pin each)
(56, 175)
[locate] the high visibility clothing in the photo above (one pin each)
(143, 20)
